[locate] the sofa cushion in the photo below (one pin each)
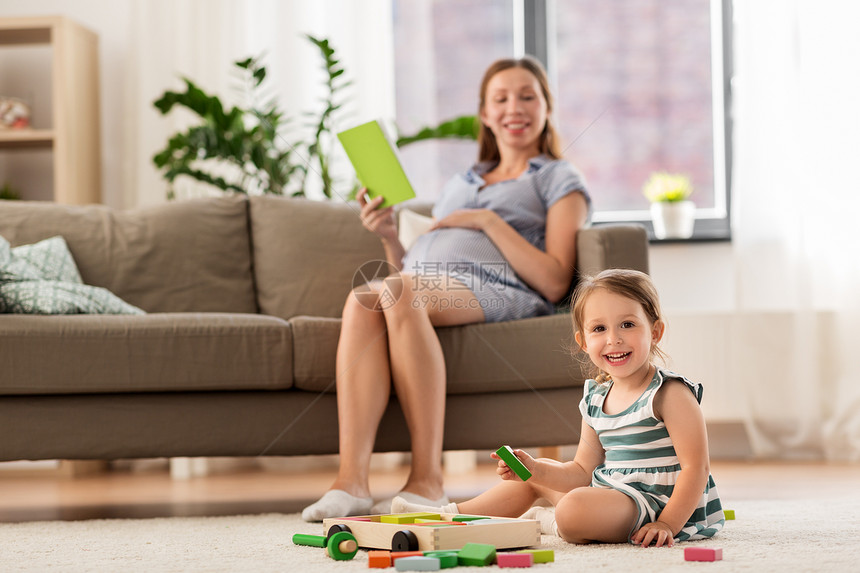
(182, 256)
(306, 254)
(492, 357)
(81, 354)
(42, 278)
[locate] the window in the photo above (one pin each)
(640, 87)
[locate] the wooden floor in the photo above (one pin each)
(152, 493)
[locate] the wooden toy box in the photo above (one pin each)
(434, 532)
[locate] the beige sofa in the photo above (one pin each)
(236, 356)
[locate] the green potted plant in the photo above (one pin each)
(672, 212)
(248, 150)
(8, 193)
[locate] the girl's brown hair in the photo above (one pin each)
(634, 285)
(488, 149)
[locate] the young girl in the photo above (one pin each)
(641, 472)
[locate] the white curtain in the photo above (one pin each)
(796, 218)
(201, 39)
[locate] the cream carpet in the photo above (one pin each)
(793, 535)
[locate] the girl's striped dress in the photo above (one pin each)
(641, 460)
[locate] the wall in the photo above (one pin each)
(146, 45)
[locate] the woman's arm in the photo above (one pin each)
(686, 426)
(381, 222)
(550, 272)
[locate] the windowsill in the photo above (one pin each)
(705, 231)
(696, 238)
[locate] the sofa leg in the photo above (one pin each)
(459, 461)
(79, 468)
(187, 468)
(553, 452)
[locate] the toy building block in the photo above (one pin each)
(395, 555)
(341, 546)
(508, 456)
(408, 517)
(479, 554)
(540, 555)
(447, 559)
(467, 518)
(514, 559)
(490, 520)
(703, 554)
(417, 564)
(729, 514)
(379, 559)
(437, 522)
(311, 540)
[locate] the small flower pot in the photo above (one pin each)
(673, 220)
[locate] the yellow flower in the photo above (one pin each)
(663, 187)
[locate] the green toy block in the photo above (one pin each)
(469, 517)
(342, 546)
(478, 554)
(312, 540)
(729, 513)
(508, 456)
(447, 558)
(541, 555)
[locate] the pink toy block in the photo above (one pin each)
(514, 559)
(703, 554)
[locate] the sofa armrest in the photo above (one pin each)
(611, 247)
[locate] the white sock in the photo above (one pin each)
(546, 517)
(404, 504)
(337, 503)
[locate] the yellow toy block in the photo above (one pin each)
(541, 555)
(408, 517)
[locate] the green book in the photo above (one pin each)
(375, 160)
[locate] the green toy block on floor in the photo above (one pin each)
(541, 555)
(447, 558)
(479, 554)
(729, 513)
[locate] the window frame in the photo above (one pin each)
(532, 36)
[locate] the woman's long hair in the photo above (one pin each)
(488, 149)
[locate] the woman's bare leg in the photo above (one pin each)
(363, 389)
(363, 378)
(418, 370)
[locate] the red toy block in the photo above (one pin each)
(514, 559)
(395, 555)
(703, 554)
(379, 559)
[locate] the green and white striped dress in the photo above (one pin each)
(640, 459)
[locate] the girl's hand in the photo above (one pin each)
(505, 472)
(478, 219)
(657, 532)
(374, 219)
